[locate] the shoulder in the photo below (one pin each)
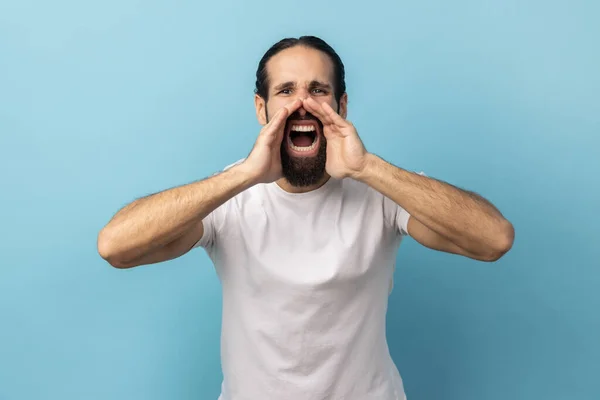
(238, 162)
(351, 188)
(358, 192)
(247, 195)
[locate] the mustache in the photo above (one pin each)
(307, 117)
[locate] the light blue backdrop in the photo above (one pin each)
(105, 101)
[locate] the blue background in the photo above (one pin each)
(102, 102)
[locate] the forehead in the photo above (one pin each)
(301, 65)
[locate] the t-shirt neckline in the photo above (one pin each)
(322, 189)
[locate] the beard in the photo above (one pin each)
(303, 171)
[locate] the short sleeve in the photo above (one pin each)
(402, 217)
(398, 216)
(208, 236)
(214, 220)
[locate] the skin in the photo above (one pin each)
(299, 73)
(443, 217)
(167, 224)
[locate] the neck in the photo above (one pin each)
(285, 185)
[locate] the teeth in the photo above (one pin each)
(303, 128)
(296, 148)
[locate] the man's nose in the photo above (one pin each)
(302, 95)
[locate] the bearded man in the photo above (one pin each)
(304, 234)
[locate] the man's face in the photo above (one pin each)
(300, 72)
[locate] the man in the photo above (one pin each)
(304, 234)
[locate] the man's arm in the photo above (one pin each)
(443, 217)
(166, 225)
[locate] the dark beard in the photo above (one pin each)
(303, 171)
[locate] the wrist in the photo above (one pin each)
(366, 170)
(244, 175)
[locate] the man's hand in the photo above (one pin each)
(264, 161)
(346, 154)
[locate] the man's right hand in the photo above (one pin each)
(264, 161)
(165, 225)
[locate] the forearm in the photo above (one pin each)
(465, 218)
(156, 220)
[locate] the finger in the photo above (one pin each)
(279, 118)
(315, 108)
(277, 124)
(293, 106)
(284, 112)
(333, 116)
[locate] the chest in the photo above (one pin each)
(337, 245)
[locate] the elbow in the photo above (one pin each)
(108, 249)
(502, 243)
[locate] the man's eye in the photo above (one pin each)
(286, 91)
(318, 91)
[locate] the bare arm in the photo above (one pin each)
(167, 224)
(443, 217)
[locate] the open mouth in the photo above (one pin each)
(303, 137)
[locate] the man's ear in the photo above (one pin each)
(261, 109)
(343, 106)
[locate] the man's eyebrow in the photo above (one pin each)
(284, 85)
(290, 84)
(320, 84)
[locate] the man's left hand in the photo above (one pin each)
(346, 154)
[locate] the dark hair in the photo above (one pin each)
(262, 78)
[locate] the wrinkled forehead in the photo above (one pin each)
(301, 66)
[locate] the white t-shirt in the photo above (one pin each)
(305, 281)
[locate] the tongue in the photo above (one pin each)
(302, 141)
